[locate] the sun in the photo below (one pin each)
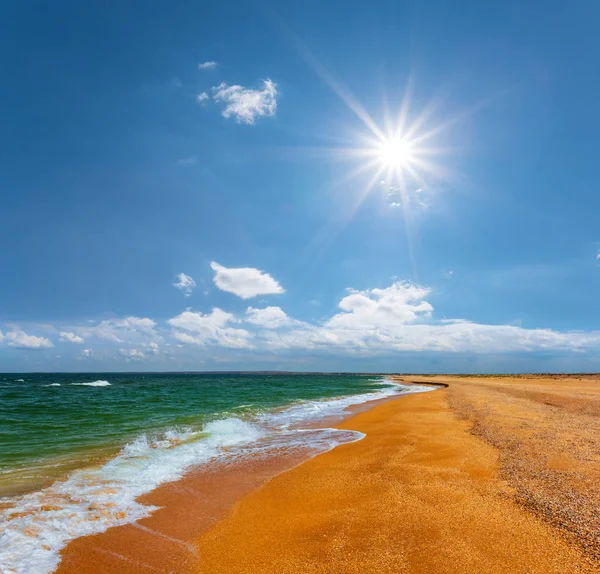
(394, 153)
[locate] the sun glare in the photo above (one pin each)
(394, 153)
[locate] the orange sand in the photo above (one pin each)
(547, 431)
(420, 494)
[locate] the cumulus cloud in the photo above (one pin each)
(185, 284)
(207, 66)
(21, 340)
(132, 354)
(369, 323)
(245, 282)
(245, 105)
(213, 328)
(203, 97)
(269, 318)
(382, 308)
(376, 322)
(67, 337)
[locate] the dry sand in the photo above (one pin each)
(419, 494)
(547, 431)
(488, 475)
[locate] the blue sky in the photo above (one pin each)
(320, 186)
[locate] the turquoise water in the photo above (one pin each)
(77, 450)
(40, 422)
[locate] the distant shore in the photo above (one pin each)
(492, 474)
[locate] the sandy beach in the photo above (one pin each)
(486, 475)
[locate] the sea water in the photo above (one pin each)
(77, 450)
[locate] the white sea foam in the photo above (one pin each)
(92, 500)
(53, 385)
(93, 384)
(40, 524)
(313, 410)
(20, 380)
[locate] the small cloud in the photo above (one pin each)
(87, 353)
(153, 348)
(448, 273)
(207, 66)
(132, 354)
(245, 105)
(67, 337)
(195, 328)
(185, 283)
(201, 98)
(598, 254)
(21, 340)
(245, 282)
(119, 330)
(186, 161)
(269, 317)
(405, 197)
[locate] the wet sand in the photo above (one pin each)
(440, 484)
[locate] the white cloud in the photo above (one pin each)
(203, 97)
(376, 322)
(245, 282)
(398, 304)
(120, 330)
(207, 66)
(185, 283)
(213, 328)
(65, 337)
(269, 318)
(369, 323)
(245, 105)
(398, 318)
(132, 354)
(153, 348)
(21, 340)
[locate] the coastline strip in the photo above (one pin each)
(419, 494)
(184, 508)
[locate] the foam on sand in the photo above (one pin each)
(41, 523)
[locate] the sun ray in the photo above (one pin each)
(400, 151)
(404, 108)
(340, 89)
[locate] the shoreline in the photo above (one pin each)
(255, 505)
(419, 494)
(191, 505)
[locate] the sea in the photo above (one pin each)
(77, 450)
